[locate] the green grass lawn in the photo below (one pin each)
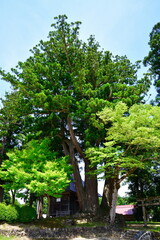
(6, 238)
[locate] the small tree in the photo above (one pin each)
(133, 140)
(37, 169)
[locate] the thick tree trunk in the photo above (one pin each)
(112, 213)
(87, 194)
(111, 193)
(68, 148)
(91, 190)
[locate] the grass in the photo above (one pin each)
(6, 238)
(90, 224)
(65, 222)
(151, 226)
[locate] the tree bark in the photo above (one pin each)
(2, 157)
(1, 193)
(87, 194)
(40, 207)
(48, 206)
(112, 213)
(91, 189)
(32, 198)
(13, 192)
(111, 193)
(68, 148)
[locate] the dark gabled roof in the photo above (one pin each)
(71, 187)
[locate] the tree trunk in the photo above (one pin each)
(104, 207)
(48, 206)
(112, 213)
(111, 193)
(2, 157)
(91, 184)
(68, 148)
(13, 192)
(87, 195)
(1, 194)
(40, 207)
(32, 198)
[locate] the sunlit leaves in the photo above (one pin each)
(132, 138)
(37, 169)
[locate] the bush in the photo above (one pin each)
(19, 213)
(26, 213)
(12, 214)
(3, 211)
(8, 213)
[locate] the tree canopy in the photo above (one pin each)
(37, 169)
(132, 138)
(153, 58)
(57, 93)
(132, 142)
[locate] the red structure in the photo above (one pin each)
(126, 210)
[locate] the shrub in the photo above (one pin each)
(8, 213)
(12, 214)
(21, 213)
(3, 211)
(26, 213)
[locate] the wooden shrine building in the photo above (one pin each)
(67, 204)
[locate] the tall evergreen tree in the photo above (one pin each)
(60, 89)
(153, 58)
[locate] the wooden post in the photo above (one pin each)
(144, 214)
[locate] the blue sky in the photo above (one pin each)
(120, 26)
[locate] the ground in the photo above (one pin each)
(12, 229)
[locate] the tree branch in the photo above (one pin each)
(73, 138)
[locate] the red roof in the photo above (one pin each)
(125, 209)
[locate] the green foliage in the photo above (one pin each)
(64, 78)
(132, 139)
(8, 213)
(37, 169)
(3, 211)
(7, 197)
(17, 213)
(124, 200)
(153, 58)
(155, 213)
(148, 185)
(12, 214)
(26, 213)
